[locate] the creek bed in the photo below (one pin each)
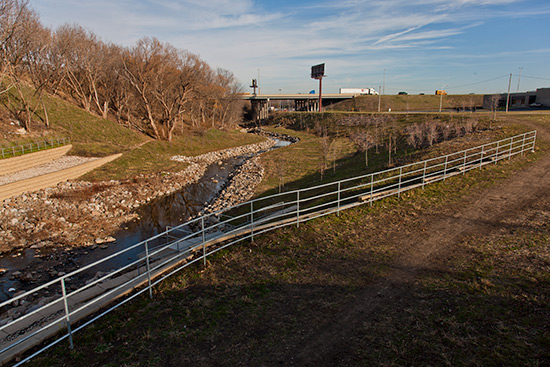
(38, 266)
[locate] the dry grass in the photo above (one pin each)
(483, 304)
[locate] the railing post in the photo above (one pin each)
(445, 170)
(252, 221)
(496, 155)
(424, 174)
(338, 211)
(523, 144)
(67, 317)
(481, 159)
(148, 269)
(464, 165)
(203, 242)
(13, 151)
(298, 209)
(534, 141)
(510, 151)
(399, 187)
(3, 153)
(371, 187)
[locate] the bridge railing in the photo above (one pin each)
(60, 306)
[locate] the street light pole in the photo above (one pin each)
(441, 97)
(519, 77)
(379, 96)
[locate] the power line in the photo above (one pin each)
(533, 77)
(481, 82)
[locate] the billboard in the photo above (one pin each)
(318, 71)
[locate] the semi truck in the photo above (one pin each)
(358, 91)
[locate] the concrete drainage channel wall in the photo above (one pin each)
(62, 307)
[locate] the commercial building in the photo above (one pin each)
(520, 100)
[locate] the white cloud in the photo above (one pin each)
(244, 35)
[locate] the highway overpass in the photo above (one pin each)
(302, 102)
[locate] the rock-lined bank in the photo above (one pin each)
(241, 186)
(271, 134)
(220, 155)
(83, 213)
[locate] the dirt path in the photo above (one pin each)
(437, 237)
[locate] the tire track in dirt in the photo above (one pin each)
(483, 213)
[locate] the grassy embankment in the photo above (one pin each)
(485, 305)
(298, 165)
(408, 103)
(94, 136)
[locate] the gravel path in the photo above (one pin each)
(53, 166)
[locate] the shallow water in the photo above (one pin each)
(154, 217)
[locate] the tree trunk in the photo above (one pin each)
(46, 118)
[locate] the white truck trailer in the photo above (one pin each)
(358, 91)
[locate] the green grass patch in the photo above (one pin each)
(155, 155)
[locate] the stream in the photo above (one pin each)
(41, 265)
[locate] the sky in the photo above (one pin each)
(417, 46)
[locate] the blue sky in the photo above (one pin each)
(460, 45)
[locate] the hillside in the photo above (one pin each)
(92, 136)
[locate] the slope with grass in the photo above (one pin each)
(456, 274)
(90, 135)
(408, 103)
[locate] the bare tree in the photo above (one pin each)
(230, 105)
(414, 135)
(23, 42)
(494, 102)
(280, 168)
(325, 150)
(365, 141)
(431, 132)
(161, 77)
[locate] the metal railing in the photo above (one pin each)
(57, 305)
(18, 150)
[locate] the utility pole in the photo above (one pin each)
(379, 96)
(519, 77)
(508, 97)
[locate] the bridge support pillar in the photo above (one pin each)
(260, 110)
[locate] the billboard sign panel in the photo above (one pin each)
(318, 71)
